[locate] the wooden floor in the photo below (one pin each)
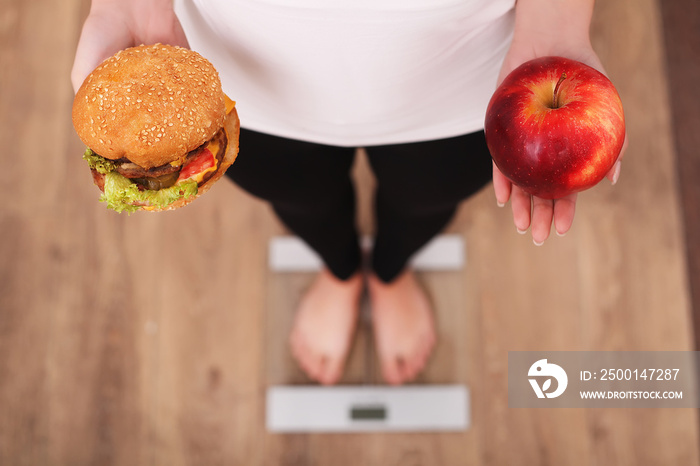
(150, 339)
(682, 40)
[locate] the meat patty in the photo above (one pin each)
(131, 170)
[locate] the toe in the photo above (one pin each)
(416, 361)
(391, 371)
(331, 370)
(409, 369)
(315, 364)
(416, 365)
(305, 357)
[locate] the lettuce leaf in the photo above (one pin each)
(101, 164)
(120, 193)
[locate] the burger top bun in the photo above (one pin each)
(151, 104)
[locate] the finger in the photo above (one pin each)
(564, 210)
(179, 35)
(542, 214)
(520, 204)
(614, 174)
(624, 147)
(166, 31)
(501, 187)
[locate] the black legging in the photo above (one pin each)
(419, 186)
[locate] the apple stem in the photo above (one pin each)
(556, 90)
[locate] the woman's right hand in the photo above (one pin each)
(113, 25)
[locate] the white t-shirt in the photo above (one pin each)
(354, 72)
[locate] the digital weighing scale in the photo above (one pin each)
(360, 408)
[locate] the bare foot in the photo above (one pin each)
(325, 324)
(404, 329)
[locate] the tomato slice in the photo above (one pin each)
(203, 161)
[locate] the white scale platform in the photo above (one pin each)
(408, 408)
(367, 408)
(290, 254)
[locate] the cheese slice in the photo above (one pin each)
(230, 104)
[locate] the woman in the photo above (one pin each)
(407, 80)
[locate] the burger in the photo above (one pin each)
(158, 128)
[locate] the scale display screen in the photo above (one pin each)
(367, 413)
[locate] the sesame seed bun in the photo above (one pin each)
(150, 104)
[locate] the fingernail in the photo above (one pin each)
(499, 203)
(522, 232)
(538, 244)
(616, 173)
(559, 234)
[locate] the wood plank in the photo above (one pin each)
(34, 132)
(681, 21)
(209, 394)
(682, 52)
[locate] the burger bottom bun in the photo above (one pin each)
(233, 128)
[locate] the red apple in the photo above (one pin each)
(555, 126)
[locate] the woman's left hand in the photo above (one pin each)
(568, 38)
